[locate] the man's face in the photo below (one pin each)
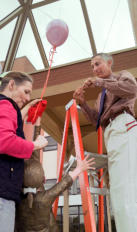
(100, 67)
(21, 94)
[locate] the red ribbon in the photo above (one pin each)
(37, 110)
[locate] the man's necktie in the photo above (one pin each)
(102, 100)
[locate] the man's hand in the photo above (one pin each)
(79, 96)
(90, 82)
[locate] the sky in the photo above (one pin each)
(110, 21)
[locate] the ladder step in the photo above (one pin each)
(99, 191)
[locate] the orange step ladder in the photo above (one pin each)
(88, 212)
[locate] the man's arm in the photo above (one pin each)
(125, 86)
(90, 114)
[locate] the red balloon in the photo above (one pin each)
(57, 32)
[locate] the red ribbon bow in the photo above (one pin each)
(36, 111)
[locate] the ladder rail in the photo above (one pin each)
(88, 212)
(62, 158)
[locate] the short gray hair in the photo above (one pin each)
(104, 56)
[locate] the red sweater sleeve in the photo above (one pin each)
(10, 143)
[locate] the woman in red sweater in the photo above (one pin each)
(15, 91)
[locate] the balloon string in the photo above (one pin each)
(51, 60)
(52, 51)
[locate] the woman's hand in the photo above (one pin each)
(40, 142)
(33, 102)
(24, 110)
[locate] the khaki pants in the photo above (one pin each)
(121, 147)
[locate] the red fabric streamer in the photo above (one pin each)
(36, 111)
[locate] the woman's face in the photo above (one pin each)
(21, 94)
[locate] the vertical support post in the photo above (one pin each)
(101, 198)
(41, 151)
(108, 213)
(58, 157)
(28, 129)
(66, 211)
(91, 184)
(88, 212)
(62, 157)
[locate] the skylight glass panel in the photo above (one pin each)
(111, 24)
(5, 38)
(77, 46)
(7, 6)
(28, 48)
(36, 1)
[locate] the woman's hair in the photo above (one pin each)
(18, 77)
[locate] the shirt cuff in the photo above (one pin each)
(99, 82)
